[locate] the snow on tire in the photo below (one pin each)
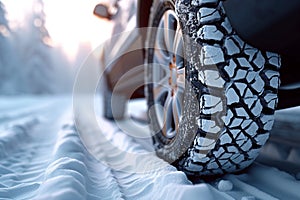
(236, 87)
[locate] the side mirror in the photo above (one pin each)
(105, 11)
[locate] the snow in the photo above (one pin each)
(248, 198)
(43, 156)
(225, 185)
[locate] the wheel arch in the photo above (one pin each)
(143, 13)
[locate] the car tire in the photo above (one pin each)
(229, 97)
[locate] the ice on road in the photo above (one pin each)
(43, 156)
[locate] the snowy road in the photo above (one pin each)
(43, 157)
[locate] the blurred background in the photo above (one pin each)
(44, 42)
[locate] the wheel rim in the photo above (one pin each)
(169, 74)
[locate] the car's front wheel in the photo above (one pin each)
(211, 97)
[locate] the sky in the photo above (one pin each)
(69, 22)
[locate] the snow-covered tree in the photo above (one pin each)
(35, 52)
(7, 64)
(29, 64)
(4, 28)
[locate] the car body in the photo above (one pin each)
(262, 29)
(267, 26)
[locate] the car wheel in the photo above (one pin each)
(211, 97)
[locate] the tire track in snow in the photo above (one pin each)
(25, 143)
(74, 174)
(15, 135)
